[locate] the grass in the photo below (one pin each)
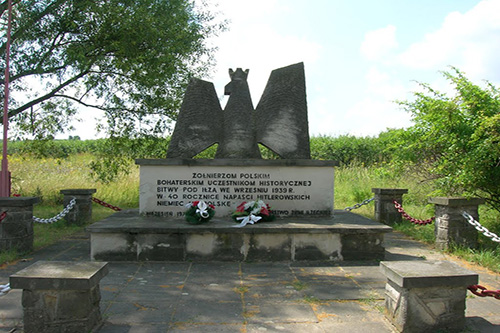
(44, 178)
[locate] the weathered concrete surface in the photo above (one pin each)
(129, 236)
(426, 295)
(61, 275)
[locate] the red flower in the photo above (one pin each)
(264, 211)
(211, 206)
(195, 203)
(241, 207)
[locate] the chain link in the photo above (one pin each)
(409, 218)
(483, 293)
(58, 216)
(480, 228)
(107, 205)
(356, 206)
(4, 289)
(3, 215)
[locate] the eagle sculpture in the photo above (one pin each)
(279, 122)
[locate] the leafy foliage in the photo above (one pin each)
(129, 58)
(348, 149)
(455, 139)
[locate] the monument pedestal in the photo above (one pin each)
(130, 236)
(300, 193)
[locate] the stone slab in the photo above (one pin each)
(290, 187)
(424, 274)
(59, 275)
(390, 191)
(130, 236)
(454, 202)
(131, 221)
(18, 201)
(78, 191)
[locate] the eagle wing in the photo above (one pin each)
(200, 122)
(281, 115)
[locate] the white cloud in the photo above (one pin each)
(469, 41)
(378, 43)
(252, 42)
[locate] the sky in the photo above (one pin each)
(360, 56)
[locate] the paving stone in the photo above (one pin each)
(279, 312)
(207, 327)
(213, 311)
(140, 311)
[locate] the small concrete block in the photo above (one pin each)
(59, 275)
(423, 274)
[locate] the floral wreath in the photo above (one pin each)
(251, 212)
(199, 212)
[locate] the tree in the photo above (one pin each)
(128, 58)
(455, 140)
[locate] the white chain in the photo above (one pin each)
(480, 228)
(4, 289)
(356, 206)
(58, 216)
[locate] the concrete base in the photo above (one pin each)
(129, 236)
(426, 296)
(60, 296)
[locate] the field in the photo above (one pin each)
(44, 177)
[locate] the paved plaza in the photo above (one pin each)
(248, 297)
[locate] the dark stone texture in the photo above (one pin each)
(238, 134)
(200, 121)
(450, 226)
(16, 229)
(60, 296)
(385, 211)
(279, 121)
(236, 162)
(82, 211)
(363, 246)
(281, 115)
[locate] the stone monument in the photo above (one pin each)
(294, 185)
(298, 189)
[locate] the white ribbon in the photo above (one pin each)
(202, 209)
(249, 219)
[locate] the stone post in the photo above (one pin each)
(60, 296)
(426, 296)
(82, 212)
(450, 226)
(385, 211)
(16, 228)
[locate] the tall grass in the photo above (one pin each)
(45, 177)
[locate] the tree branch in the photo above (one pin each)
(22, 28)
(46, 96)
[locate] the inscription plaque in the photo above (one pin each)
(291, 187)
